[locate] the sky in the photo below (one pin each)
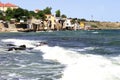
(100, 10)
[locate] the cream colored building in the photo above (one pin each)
(5, 6)
(52, 19)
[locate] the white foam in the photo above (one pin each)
(12, 74)
(18, 42)
(95, 32)
(92, 68)
(82, 67)
(59, 54)
(78, 66)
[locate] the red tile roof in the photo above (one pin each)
(7, 5)
(1, 4)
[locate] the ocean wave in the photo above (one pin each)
(78, 66)
(82, 66)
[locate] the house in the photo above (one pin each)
(5, 6)
(87, 27)
(61, 22)
(76, 26)
(37, 10)
(51, 20)
(68, 24)
(82, 25)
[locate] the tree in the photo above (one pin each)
(78, 20)
(63, 16)
(31, 14)
(18, 13)
(1, 15)
(41, 15)
(73, 20)
(47, 10)
(58, 13)
(26, 13)
(83, 19)
(21, 14)
(9, 14)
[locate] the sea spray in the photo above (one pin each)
(59, 54)
(18, 42)
(78, 66)
(82, 66)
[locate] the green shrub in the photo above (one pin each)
(94, 26)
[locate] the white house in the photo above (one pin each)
(68, 24)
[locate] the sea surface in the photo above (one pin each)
(68, 55)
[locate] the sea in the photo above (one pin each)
(68, 55)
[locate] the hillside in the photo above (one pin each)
(104, 25)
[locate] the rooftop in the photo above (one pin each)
(7, 5)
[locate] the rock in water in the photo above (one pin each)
(10, 45)
(11, 49)
(21, 47)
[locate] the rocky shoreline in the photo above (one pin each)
(7, 27)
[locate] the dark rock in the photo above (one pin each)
(10, 45)
(11, 49)
(21, 47)
(27, 30)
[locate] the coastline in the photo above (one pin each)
(94, 26)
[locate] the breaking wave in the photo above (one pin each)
(82, 66)
(78, 66)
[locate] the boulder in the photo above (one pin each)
(10, 45)
(21, 47)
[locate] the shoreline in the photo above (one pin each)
(7, 27)
(24, 31)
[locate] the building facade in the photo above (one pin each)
(5, 6)
(51, 19)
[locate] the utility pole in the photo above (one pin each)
(91, 17)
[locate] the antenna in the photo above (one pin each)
(91, 17)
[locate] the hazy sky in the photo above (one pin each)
(102, 10)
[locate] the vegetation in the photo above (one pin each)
(9, 14)
(73, 20)
(47, 10)
(23, 14)
(94, 26)
(17, 14)
(58, 13)
(41, 15)
(78, 20)
(1, 16)
(63, 16)
(83, 19)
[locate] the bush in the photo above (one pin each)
(94, 26)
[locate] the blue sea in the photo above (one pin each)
(68, 55)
